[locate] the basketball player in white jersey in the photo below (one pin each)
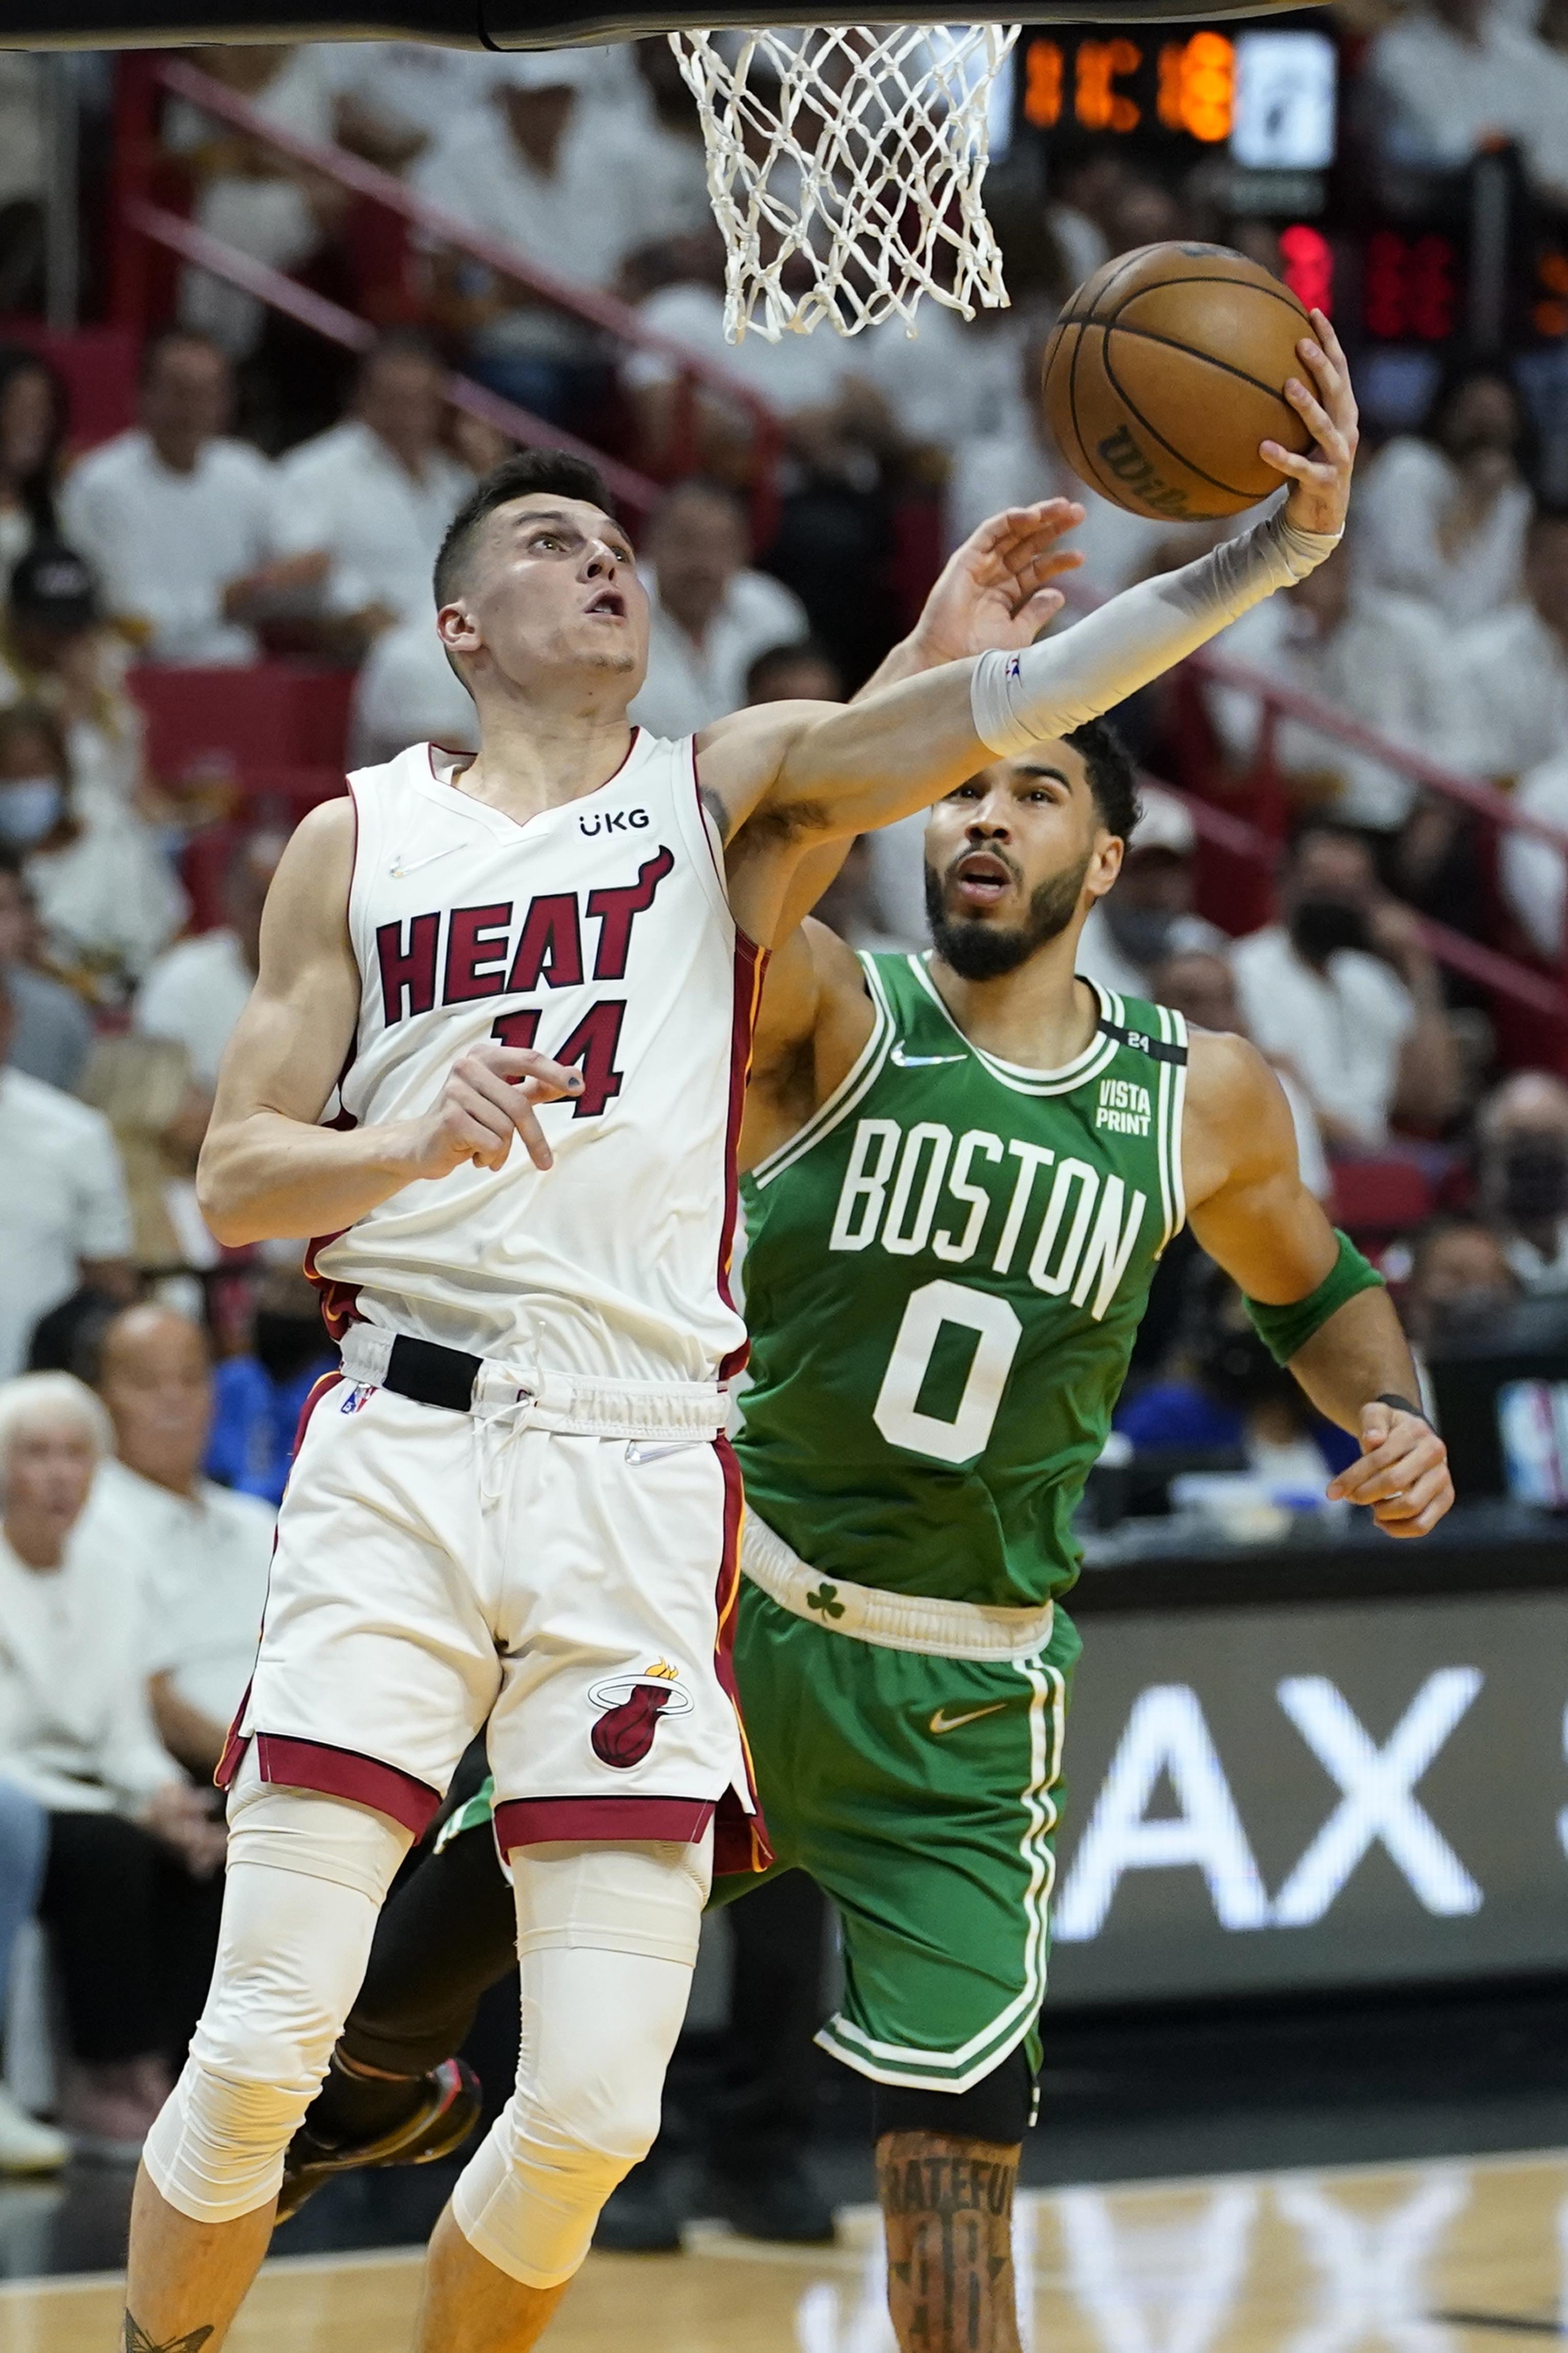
(494, 1058)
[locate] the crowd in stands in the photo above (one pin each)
(262, 510)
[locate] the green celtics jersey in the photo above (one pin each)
(944, 1272)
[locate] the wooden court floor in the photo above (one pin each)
(1449, 2257)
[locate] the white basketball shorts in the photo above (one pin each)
(436, 1572)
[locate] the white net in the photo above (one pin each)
(844, 166)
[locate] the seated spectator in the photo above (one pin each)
(249, 195)
(1459, 1286)
(158, 1115)
(198, 1552)
(1148, 914)
(711, 616)
(129, 1896)
(373, 496)
(1342, 993)
(1512, 669)
(197, 989)
(1200, 984)
(52, 1032)
(1523, 1130)
(33, 412)
(175, 519)
(106, 897)
(407, 693)
(1370, 655)
(64, 1217)
(798, 671)
(56, 651)
(260, 1395)
(26, 2145)
(1441, 514)
(1451, 77)
(533, 168)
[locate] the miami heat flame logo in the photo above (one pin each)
(632, 1707)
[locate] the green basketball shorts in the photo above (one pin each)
(921, 1794)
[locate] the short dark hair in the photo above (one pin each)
(514, 478)
(768, 664)
(398, 344)
(170, 339)
(1112, 778)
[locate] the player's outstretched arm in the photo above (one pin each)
(1314, 1300)
(268, 1168)
(790, 777)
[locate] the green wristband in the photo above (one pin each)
(1285, 1331)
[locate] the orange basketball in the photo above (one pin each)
(1167, 370)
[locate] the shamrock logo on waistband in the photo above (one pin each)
(826, 1599)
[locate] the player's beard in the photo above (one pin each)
(981, 951)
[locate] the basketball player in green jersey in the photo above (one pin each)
(963, 1168)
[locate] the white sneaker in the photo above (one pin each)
(26, 2145)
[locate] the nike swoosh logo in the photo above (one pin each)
(637, 1453)
(401, 866)
(922, 1062)
(942, 1722)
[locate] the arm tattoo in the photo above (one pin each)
(138, 2341)
(948, 2206)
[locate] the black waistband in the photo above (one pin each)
(431, 1375)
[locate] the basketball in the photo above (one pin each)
(1165, 371)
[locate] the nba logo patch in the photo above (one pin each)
(632, 1707)
(361, 1394)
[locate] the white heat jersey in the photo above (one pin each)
(599, 932)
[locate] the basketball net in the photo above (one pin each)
(845, 167)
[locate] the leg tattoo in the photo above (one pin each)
(138, 2341)
(948, 2208)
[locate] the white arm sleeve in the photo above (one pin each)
(1020, 699)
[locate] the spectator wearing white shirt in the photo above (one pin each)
(1342, 995)
(106, 897)
(1511, 670)
(65, 1221)
(407, 693)
(1201, 984)
(197, 989)
(1452, 78)
(391, 99)
(175, 518)
(710, 617)
(129, 1893)
(537, 168)
(1442, 514)
(199, 1552)
(1148, 913)
(373, 496)
(1373, 656)
(52, 1035)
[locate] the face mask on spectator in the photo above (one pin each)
(29, 808)
(1535, 1179)
(1320, 926)
(1143, 933)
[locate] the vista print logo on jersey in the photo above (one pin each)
(632, 1706)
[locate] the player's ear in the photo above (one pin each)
(1104, 863)
(457, 630)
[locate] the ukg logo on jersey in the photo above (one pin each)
(1124, 1107)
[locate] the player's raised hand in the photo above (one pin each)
(487, 1099)
(1321, 481)
(1403, 1473)
(994, 590)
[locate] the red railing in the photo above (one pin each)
(137, 152)
(1260, 844)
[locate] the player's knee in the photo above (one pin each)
(215, 2151)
